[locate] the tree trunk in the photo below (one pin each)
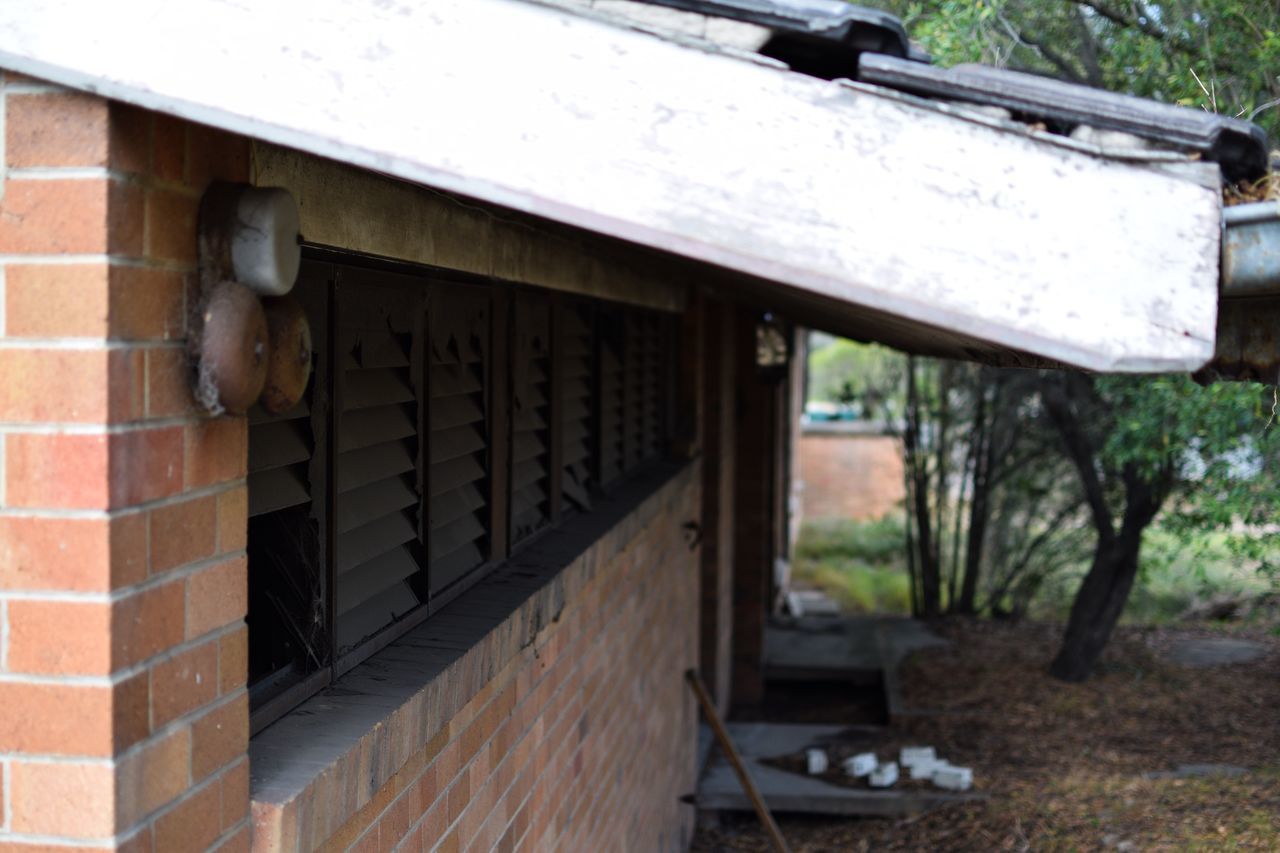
(1098, 606)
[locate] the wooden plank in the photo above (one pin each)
(739, 767)
(966, 229)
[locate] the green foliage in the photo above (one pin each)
(1221, 55)
(859, 564)
(846, 372)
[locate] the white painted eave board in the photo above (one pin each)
(825, 189)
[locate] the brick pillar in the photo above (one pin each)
(123, 713)
(758, 445)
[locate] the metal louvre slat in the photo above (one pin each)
(375, 425)
(377, 387)
(381, 572)
(448, 412)
(451, 380)
(373, 614)
(451, 443)
(277, 444)
(276, 489)
(368, 541)
(370, 464)
(448, 476)
(361, 506)
(459, 533)
(527, 473)
(527, 445)
(454, 504)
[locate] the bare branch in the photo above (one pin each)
(1080, 450)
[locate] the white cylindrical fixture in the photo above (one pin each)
(265, 254)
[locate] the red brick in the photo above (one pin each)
(220, 737)
(93, 471)
(169, 148)
(238, 843)
(147, 623)
(215, 155)
(154, 775)
(146, 464)
(126, 218)
(130, 138)
(146, 303)
(56, 300)
(233, 520)
(168, 383)
(233, 661)
(54, 216)
(75, 554)
(183, 532)
(235, 794)
(64, 799)
(56, 129)
(94, 638)
(217, 596)
(82, 629)
(217, 451)
(75, 720)
(171, 225)
(192, 825)
(183, 683)
(70, 385)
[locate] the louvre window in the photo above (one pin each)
(378, 557)
(576, 382)
(446, 424)
(459, 508)
(530, 417)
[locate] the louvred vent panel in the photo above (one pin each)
(280, 449)
(459, 474)
(612, 350)
(576, 419)
(377, 553)
(531, 418)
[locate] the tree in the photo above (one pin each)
(1131, 440)
(1135, 442)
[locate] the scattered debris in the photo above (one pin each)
(952, 778)
(817, 761)
(885, 775)
(862, 764)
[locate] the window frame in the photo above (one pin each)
(504, 300)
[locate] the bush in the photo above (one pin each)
(859, 564)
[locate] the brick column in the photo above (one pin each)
(123, 713)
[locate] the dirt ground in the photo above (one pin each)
(1065, 765)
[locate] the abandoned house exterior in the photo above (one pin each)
(442, 594)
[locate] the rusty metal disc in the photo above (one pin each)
(233, 349)
(289, 365)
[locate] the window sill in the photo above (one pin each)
(318, 765)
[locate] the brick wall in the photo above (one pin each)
(123, 710)
(123, 715)
(850, 475)
(575, 730)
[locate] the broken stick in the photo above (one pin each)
(731, 752)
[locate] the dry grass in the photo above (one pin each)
(1064, 764)
(1266, 188)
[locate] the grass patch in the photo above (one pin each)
(860, 564)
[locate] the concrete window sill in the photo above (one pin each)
(321, 763)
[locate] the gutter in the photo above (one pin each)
(1251, 250)
(1248, 335)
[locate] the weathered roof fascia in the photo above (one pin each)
(868, 205)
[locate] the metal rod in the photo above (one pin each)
(731, 752)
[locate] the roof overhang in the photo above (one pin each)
(921, 225)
